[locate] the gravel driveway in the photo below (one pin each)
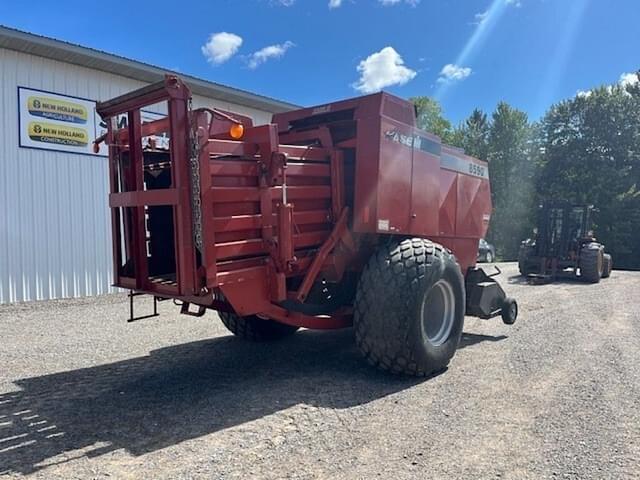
(83, 394)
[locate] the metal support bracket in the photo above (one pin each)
(132, 317)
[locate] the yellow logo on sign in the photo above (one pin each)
(57, 109)
(58, 134)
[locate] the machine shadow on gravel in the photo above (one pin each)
(520, 280)
(181, 392)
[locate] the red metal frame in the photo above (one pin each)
(177, 96)
(287, 203)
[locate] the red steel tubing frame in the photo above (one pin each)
(271, 164)
(137, 212)
(177, 96)
(209, 256)
(181, 180)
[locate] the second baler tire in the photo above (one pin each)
(254, 328)
(388, 317)
(591, 264)
(607, 265)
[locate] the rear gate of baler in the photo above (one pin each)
(210, 211)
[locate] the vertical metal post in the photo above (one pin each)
(179, 143)
(116, 233)
(138, 218)
(206, 203)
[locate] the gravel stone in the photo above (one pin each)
(83, 394)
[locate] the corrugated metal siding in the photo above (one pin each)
(55, 235)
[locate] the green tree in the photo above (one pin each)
(591, 154)
(431, 119)
(585, 150)
(473, 135)
(509, 151)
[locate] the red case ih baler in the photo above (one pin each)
(334, 215)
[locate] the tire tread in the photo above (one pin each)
(589, 264)
(254, 328)
(401, 265)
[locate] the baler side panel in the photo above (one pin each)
(394, 181)
(448, 202)
(425, 195)
(366, 177)
(474, 207)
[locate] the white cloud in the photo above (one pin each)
(388, 3)
(283, 3)
(515, 3)
(266, 53)
(221, 47)
(382, 69)
(627, 79)
(451, 73)
(335, 3)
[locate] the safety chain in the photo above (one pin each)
(194, 163)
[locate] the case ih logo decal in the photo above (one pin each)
(449, 162)
(400, 138)
(414, 141)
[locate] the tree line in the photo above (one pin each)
(584, 150)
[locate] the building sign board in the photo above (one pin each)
(63, 123)
(50, 121)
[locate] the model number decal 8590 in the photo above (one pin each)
(463, 165)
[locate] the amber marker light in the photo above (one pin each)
(236, 131)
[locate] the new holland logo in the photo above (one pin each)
(58, 134)
(55, 109)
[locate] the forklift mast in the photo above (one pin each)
(562, 228)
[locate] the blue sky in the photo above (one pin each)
(466, 53)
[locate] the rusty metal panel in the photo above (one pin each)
(55, 227)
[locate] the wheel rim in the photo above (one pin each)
(513, 310)
(489, 257)
(437, 313)
(600, 263)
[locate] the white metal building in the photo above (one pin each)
(55, 238)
